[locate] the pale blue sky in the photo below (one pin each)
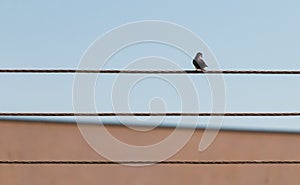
(242, 34)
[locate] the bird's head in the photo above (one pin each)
(200, 54)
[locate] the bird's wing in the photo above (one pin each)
(202, 64)
(205, 63)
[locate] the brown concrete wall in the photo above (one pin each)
(58, 141)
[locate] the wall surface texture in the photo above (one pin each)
(63, 141)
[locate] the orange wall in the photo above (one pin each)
(60, 141)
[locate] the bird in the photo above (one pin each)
(199, 62)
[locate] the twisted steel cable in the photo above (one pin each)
(230, 114)
(179, 162)
(107, 71)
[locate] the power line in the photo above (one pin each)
(216, 162)
(107, 71)
(227, 114)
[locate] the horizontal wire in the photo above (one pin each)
(236, 114)
(217, 162)
(151, 71)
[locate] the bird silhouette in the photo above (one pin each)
(199, 62)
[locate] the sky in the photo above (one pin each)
(243, 35)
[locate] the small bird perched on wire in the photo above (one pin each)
(199, 62)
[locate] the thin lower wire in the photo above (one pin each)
(236, 114)
(224, 162)
(151, 71)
